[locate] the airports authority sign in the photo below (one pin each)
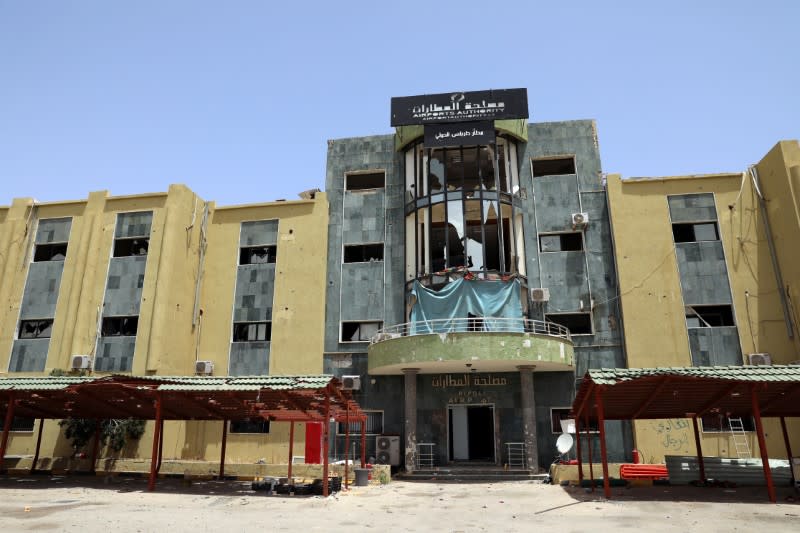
(460, 107)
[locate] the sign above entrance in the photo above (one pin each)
(459, 107)
(468, 380)
(460, 134)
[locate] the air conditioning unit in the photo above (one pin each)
(81, 362)
(205, 368)
(540, 295)
(387, 449)
(351, 382)
(579, 220)
(759, 359)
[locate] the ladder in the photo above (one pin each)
(739, 436)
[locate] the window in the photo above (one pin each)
(561, 242)
(576, 323)
(718, 423)
(50, 252)
(120, 326)
(365, 181)
(709, 316)
(20, 423)
(557, 414)
(362, 253)
(253, 255)
(553, 166)
(374, 425)
(250, 425)
(131, 247)
(252, 331)
(35, 329)
(359, 331)
(695, 232)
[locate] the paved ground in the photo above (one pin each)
(86, 504)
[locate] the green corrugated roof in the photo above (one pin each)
(177, 383)
(610, 376)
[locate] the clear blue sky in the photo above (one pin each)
(237, 98)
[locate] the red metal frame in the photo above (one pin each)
(699, 447)
(762, 445)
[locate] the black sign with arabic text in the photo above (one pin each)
(459, 134)
(459, 107)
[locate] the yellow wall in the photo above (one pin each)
(652, 304)
(168, 343)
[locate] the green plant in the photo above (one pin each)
(383, 477)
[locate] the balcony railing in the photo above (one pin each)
(472, 325)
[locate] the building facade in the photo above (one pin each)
(163, 284)
(461, 276)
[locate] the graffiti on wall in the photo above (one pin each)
(673, 434)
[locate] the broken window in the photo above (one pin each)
(50, 252)
(373, 425)
(253, 255)
(359, 331)
(576, 323)
(250, 425)
(19, 423)
(553, 166)
(695, 232)
(120, 326)
(35, 329)
(365, 181)
(709, 316)
(362, 253)
(252, 331)
(557, 414)
(131, 247)
(561, 242)
(718, 423)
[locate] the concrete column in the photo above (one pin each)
(411, 417)
(529, 416)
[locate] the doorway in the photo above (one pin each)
(471, 433)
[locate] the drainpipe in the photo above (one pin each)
(762, 204)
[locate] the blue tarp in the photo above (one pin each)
(462, 298)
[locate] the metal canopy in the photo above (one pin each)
(278, 398)
(687, 392)
(650, 393)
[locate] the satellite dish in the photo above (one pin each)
(564, 443)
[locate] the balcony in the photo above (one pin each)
(485, 344)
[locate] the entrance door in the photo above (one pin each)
(471, 429)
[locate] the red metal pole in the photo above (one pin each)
(38, 445)
(151, 483)
(578, 448)
(346, 443)
(96, 445)
(325, 444)
(160, 447)
(291, 450)
(788, 448)
(363, 443)
(762, 445)
(589, 446)
(700, 460)
(601, 422)
(222, 452)
(6, 428)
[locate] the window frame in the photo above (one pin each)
(21, 322)
(255, 420)
(556, 157)
(117, 317)
(560, 234)
(592, 428)
(130, 240)
(43, 245)
(747, 422)
(346, 188)
(270, 249)
(268, 330)
(571, 333)
(363, 245)
(340, 426)
(341, 329)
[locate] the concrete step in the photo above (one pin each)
(471, 475)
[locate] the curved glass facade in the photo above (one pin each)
(463, 210)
